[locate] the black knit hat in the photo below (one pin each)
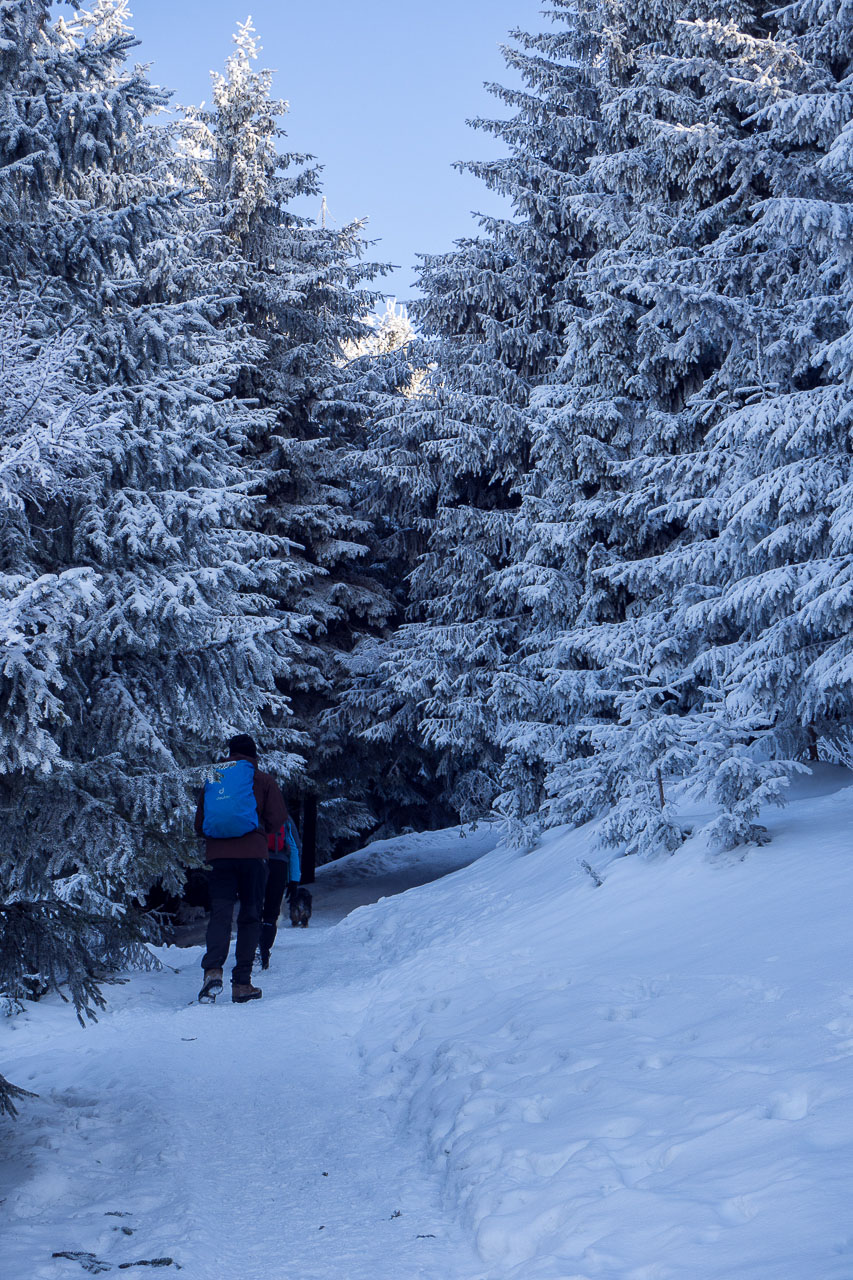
(242, 745)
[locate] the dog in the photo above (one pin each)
(300, 907)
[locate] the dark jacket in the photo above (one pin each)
(271, 814)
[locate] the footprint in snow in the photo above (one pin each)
(842, 1029)
(737, 1210)
(788, 1106)
(655, 1062)
(536, 1110)
(620, 1013)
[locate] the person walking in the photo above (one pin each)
(235, 814)
(284, 873)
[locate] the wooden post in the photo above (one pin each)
(309, 838)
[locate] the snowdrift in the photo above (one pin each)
(643, 1080)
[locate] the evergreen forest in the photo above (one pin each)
(569, 538)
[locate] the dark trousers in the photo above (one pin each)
(276, 885)
(232, 880)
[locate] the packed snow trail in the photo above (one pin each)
(239, 1141)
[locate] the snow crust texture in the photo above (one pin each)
(646, 1080)
(507, 1074)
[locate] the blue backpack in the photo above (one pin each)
(230, 808)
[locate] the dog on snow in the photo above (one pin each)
(300, 907)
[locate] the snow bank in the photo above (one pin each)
(388, 867)
(643, 1080)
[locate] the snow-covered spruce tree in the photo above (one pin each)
(730, 288)
(378, 720)
(51, 432)
(368, 787)
(137, 600)
(449, 460)
(305, 299)
(783, 510)
(751, 584)
(492, 317)
(547, 701)
(564, 711)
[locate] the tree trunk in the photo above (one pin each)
(309, 838)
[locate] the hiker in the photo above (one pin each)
(284, 872)
(235, 813)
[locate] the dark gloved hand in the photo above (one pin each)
(292, 886)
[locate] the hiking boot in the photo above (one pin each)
(241, 992)
(268, 932)
(212, 985)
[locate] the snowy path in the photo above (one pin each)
(243, 1142)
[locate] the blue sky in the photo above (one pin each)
(379, 92)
